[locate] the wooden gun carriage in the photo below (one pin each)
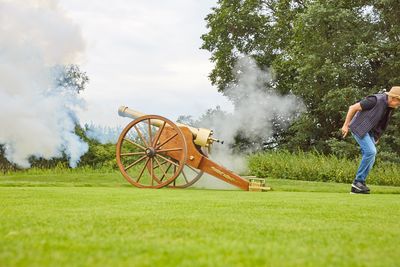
(154, 152)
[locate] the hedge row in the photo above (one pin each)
(317, 167)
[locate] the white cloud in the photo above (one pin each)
(144, 54)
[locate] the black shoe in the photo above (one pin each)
(356, 191)
(359, 188)
(365, 186)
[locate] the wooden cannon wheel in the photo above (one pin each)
(188, 175)
(151, 156)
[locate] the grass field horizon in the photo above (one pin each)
(98, 219)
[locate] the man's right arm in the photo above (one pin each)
(353, 109)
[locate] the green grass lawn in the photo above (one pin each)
(94, 219)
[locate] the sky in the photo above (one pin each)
(144, 54)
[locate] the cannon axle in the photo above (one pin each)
(150, 152)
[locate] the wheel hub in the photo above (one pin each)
(150, 152)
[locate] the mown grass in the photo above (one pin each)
(105, 226)
(109, 178)
(95, 219)
(64, 177)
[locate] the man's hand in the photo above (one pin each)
(353, 109)
(345, 130)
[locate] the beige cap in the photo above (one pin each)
(394, 92)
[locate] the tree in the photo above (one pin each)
(71, 76)
(236, 28)
(329, 53)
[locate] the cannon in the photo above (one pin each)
(154, 152)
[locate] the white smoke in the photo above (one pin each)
(36, 117)
(256, 109)
(103, 134)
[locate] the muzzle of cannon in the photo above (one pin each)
(154, 152)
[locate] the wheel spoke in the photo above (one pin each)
(184, 176)
(170, 149)
(134, 163)
(135, 144)
(166, 141)
(141, 135)
(193, 169)
(151, 171)
(174, 172)
(170, 161)
(131, 154)
(169, 166)
(158, 134)
(149, 121)
(141, 172)
(161, 168)
(160, 164)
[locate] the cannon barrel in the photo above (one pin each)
(202, 136)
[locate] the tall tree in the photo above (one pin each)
(330, 53)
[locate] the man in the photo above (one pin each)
(367, 120)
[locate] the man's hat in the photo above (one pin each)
(394, 92)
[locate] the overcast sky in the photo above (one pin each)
(144, 54)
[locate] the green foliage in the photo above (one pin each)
(71, 76)
(99, 155)
(5, 165)
(232, 25)
(318, 167)
(329, 53)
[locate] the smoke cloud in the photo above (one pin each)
(103, 134)
(258, 108)
(37, 118)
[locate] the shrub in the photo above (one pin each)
(312, 166)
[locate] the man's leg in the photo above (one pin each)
(368, 150)
(372, 154)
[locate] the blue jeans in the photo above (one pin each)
(368, 151)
